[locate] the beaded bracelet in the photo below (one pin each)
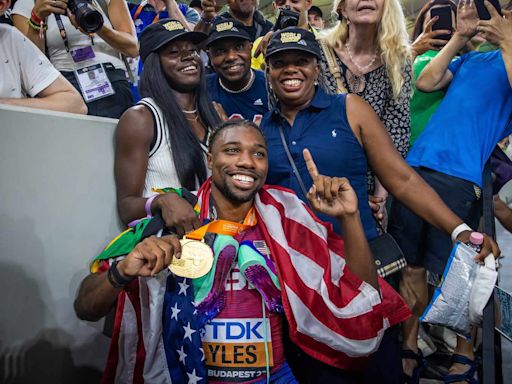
(37, 23)
(37, 26)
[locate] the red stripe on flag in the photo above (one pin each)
(361, 327)
(133, 293)
(109, 375)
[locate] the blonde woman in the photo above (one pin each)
(371, 58)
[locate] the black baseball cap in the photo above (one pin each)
(315, 9)
(223, 28)
(293, 38)
(156, 35)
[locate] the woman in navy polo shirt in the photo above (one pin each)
(342, 132)
(344, 136)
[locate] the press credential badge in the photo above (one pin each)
(92, 79)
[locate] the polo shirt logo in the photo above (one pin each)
(173, 26)
(334, 133)
(290, 37)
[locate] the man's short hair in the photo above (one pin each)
(230, 124)
(317, 10)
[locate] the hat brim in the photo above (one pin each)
(195, 37)
(294, 48)
(226, 35)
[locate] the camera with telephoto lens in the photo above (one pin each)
(88, 18)
(286, 18)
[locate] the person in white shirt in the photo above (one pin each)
(28, 78)
(91, 62)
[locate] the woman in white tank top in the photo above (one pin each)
(161, 142)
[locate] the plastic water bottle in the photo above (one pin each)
(476, 239)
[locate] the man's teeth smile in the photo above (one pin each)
(189, 68)
(235, 67)
(244, 179)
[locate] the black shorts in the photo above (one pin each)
(112, 106)
(422, 244)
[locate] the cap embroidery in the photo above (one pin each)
(224, 26)
(302, 42)
(290, 37)
(173, 26)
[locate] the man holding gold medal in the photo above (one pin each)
(217, 313)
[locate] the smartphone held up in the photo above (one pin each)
(444, 21)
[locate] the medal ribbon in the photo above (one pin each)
(220, 227)
(225, 227)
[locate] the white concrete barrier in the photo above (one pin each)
(57, 211)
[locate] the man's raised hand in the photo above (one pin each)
(497, 30)
(467, 18)
(333, 196)
(429, 39)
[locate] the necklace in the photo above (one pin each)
(245, 88)
(192, 119)
(360, 68)
(191, 111)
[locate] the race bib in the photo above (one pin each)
(235, 348)
(94, 82)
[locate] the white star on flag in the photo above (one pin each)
(182, 354)
(192, 378)
(175, 310)
(188, 331)
(183, 288)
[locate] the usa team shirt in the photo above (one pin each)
(234, 341)
(250, 105)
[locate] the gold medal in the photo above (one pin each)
(196, 259)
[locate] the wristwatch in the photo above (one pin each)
(115, 278)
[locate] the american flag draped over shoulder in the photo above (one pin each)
(333, 315)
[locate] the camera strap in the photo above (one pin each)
(62, 31)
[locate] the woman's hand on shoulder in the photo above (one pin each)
(177, 213)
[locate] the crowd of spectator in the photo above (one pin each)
(372, 128)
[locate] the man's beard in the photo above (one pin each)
(244, 11)
(232, 196)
